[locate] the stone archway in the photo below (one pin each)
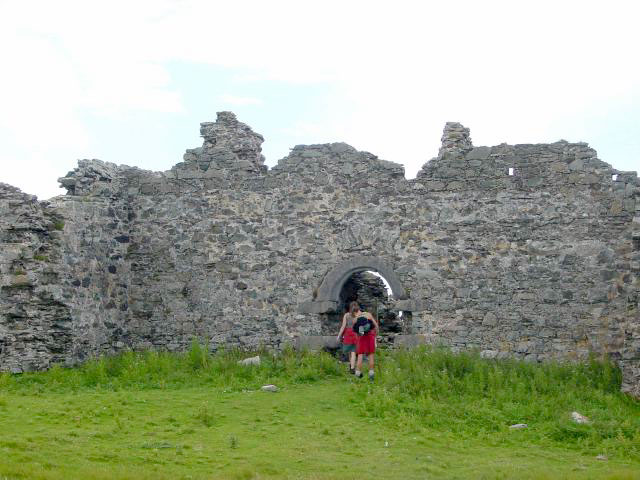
(327, 296)
(327, 301)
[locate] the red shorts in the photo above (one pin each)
(366, 344)
(349, 337)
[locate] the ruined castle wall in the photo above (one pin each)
(540, 264)
(64, 283)
(35, 318)
(95, 242)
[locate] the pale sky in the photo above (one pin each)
(130, 81)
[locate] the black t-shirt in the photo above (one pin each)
(363, 325)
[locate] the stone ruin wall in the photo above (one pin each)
(541, 264)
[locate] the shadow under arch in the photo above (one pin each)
(327, 299)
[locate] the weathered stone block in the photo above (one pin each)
(325, 306)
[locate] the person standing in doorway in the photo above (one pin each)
(366, 328)
(348, 336)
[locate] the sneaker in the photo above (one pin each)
(352, 371)
(358, 374)
(371, 377)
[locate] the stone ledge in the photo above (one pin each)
(319, 342)
(324, 306)
(315, 342)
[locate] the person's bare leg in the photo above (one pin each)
(359, 366)
(352, 360)
(371, 365)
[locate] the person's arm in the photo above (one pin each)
(344, 324)
(375, 322)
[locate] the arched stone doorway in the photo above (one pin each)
(327, 296)
(373, 293)
(335, 279)
(330, 297)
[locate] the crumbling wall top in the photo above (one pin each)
(91, 177)
(455, 140)
(228, 144)
(231, 155)
(460, 166)
(340, 161)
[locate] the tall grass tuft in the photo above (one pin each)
(198, 356)
(205, 415)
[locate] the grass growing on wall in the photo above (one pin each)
(429, 413)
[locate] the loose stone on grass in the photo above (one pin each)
(250, 361)
(578, 418)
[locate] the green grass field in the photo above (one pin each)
(429, 414)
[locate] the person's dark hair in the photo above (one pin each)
(353, 307)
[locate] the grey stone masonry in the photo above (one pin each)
(228, 145)
(455, 140)
(35, 318)
(530, 251)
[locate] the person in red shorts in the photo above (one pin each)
(349, 338)
(366, 343)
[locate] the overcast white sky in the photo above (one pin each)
(130, 81)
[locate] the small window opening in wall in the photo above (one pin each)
(511, 171)
(614, 177)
